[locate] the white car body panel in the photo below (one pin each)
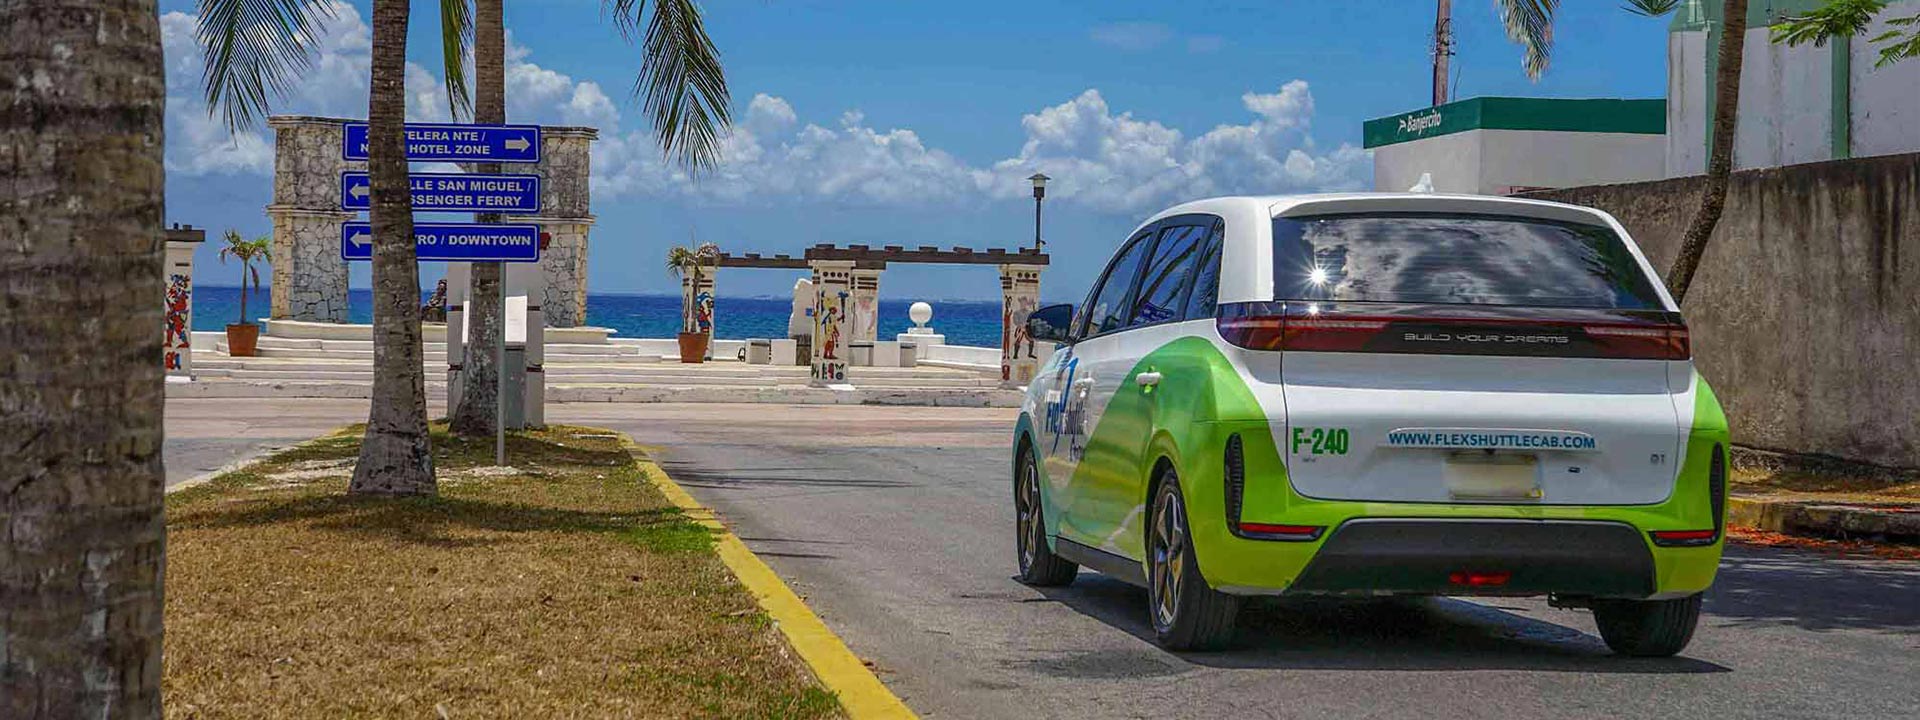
(1636, 412)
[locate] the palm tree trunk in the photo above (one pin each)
(395, 457)
(1713, 196)
(478, 408)
(82, 538)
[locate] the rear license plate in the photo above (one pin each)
(1480, 475)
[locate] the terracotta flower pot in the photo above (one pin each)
(693, 347)
(242, 339)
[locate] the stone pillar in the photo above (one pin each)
(177, 348)
(832, 294)
(565, 216)
(866, 304)
(309, 278)
(1019, 296)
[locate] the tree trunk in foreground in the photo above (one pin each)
(395, 457)
(82, 537)
(1713, 195)
(479, 406)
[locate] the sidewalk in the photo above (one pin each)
(1774, 493)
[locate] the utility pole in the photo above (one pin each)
(1442, 50)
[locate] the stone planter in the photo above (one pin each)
(242, 339)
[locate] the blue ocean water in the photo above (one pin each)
(964, 322)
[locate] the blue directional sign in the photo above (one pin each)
(455, 143)
(451, 192)
(452, 242)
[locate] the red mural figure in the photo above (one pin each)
(179, 303)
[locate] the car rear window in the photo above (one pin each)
(1456, 259)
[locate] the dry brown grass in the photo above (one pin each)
(570, 589)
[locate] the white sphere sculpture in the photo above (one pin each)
(921, 313)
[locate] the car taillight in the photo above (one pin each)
(1492, 330)
(1658, 342)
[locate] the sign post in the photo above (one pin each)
(450, 192)
(446, 142)
(452, 242)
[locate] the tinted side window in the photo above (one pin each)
(1107, 306)
(1164, 283)
(1206, 279)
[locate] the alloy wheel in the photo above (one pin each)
(1168, 559)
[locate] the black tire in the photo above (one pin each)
(1187, 613)
(1038, 565)
(1647, 628)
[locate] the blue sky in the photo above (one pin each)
(912, 122)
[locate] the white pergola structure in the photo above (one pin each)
(846, 305)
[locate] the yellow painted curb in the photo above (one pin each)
(861, 694)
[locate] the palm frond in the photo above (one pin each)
(456, 36)
(1651, 8)
(1837, 18)
(1530, 23)
(256, 50)
(681, 83)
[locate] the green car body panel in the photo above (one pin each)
(1186, 420)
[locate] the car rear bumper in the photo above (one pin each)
(1496, 557)
(1601, 558)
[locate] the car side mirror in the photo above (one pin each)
(1051, 323)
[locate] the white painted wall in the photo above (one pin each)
(1533, 159)
(1686, 104)
(1786, 110)
(1493, 162)
(1453, 159)
(1885, 101)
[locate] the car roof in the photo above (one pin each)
(1320, 203)
(1248, 246)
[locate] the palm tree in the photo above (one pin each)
(396, 455)
(682, 88)
(686, 263)
(82, 539)
(247, 252)
(1726, 99)
(1528, 22)
(256, 50)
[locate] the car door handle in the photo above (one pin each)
(1147, 379)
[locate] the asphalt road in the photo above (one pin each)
(208, 434)
(896, 525)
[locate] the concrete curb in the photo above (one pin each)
(861, 693)
(1799, 517)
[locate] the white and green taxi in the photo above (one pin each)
(1373, 395)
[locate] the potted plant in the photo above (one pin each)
(696, 307)
(242, 337)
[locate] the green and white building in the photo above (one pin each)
(1797, 105)
(1504, 145)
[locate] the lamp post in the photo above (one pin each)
(1039, 193)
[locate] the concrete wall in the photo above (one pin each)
(1804, 314)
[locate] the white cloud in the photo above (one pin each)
(336, 85)
(1100, 159)
(1131, 36)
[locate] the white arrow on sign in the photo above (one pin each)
(517, 144)
(360, 191)
(360, 238)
